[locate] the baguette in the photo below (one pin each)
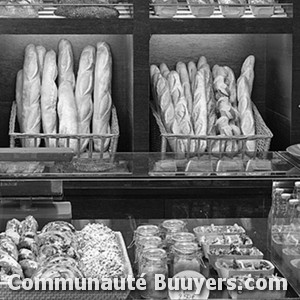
(19, 92)
(248, 71)
(182, 116)
(164, 70)
(31, 110)
(49, 97)
(231, 83)
(192, 69)
(83, 92)
(185, 82)
(41, 52)
(166, 106)
(199, 115)
(246, 112)
(67, 114)
(201, 62)
(65, 62)
(102, 94)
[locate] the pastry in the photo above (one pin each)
(26, 254)
(29, 267)
(58, 226)
(31, 110)
(13, 230)
(8, 246)
(30, 244)
(49, 97)
(28, 227)
(102, 95)
(83, 92)
(8, 267)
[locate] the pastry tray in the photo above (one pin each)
(8, 294)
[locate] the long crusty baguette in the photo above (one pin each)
(49, 97)
(19, 92)
(182, 115)
(245, 110)
(164, 70)
(210, 97)
(199, 115)
(231, 83)
(248, 71)
(41, 52)
(83, 92)
(67, 113)
(185, 82)
(31, 110)
(192, 69)
(102, 94)
(65, 62)
(166, 106)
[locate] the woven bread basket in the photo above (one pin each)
(163, 141)
(16, 137)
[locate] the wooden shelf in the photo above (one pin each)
(207, 26)
(66, 26)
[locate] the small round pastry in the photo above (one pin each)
(29, 267)
(58, 226)
(26, 254)
(7, 245)
(13, 230)
(29, 227)
(48, 251)
(9, 266)
(29, 243)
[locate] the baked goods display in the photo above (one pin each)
(59, 251)
(198, 106)
(20, 8)
(51, 100)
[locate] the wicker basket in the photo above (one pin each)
(16, 138)
(169, 142)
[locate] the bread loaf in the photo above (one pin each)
(231, 83)
(83, 92)
(41, 52)
(154, 75)
(19, 94)
(182, 116)
(245, 110)
(220, 87)
(67, 113)
(31, 110)
(164, 70)
(167, 110)
(248, 71)
(102, 94)
(49, 97)
(192, 69)
(185, 82)
(199, 114)
(65, 62)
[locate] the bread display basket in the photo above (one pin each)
(167, 141)
(16, 138)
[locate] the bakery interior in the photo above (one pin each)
(140, 179)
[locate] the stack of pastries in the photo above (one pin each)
(58, 251)
(196, 100)
(50, 99)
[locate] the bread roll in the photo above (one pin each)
(83, 92)
(199, 115)
(49, 97)
(181, 111)
(41, 52)
(102, 94)
(67, 113)
(31, 110)
(19, 94)
(65, 63)
(185, 82)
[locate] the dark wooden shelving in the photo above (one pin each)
(66, 26)
(210, 25)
